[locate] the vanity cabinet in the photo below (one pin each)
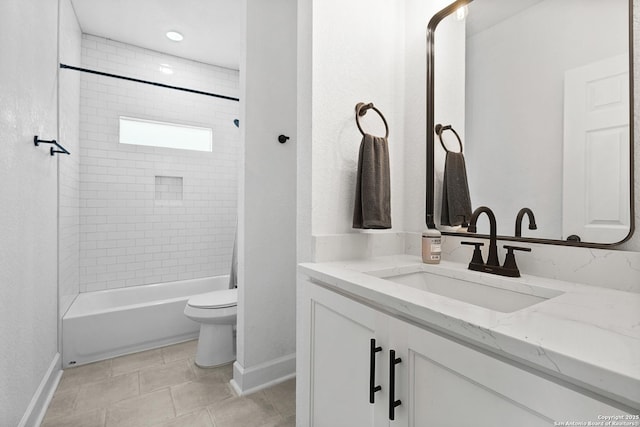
(438, 380)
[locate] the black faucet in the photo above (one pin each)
(509, 269)
(492, 260)
(532, 221)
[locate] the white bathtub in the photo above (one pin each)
(104, 324)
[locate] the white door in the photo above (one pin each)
(334, 366)
(595, 203)
(451, 385)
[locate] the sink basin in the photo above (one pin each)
(495, 298)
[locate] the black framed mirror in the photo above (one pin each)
(545, 116)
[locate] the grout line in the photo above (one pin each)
(173, 403)
(139, 385)
(211, 416)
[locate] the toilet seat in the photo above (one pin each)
(216, 299)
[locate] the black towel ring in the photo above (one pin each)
(361, 110)
(439, 129)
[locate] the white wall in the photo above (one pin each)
(357, 56)
(366, 51)
(267, 207)
(28, 214)
(127, 236)
(304, 149)
(69, 166)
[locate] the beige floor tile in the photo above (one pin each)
(93, 418)
(196, 394)
(221, 373)
(163, 376)
(196, 419)
(254, 410)
(164, 388)
(73, 377)
(103, 393)
(180, 351)
(136, 361)
(276, 422)
(289, 421)
(141, 411)
(62, 403)
(283, 397)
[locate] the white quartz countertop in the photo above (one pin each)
(587, 335)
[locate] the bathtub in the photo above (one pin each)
(104, 324)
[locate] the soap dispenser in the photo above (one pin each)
(431, 246)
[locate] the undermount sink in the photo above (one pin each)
(484, 295)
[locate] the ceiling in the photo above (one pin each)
(211, 28)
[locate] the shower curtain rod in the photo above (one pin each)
(131, 79)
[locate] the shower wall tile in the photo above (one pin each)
(126, 237)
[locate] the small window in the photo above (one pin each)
(166, 135)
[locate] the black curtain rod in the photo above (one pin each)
(131, 79)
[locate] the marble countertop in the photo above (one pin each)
(587, 335)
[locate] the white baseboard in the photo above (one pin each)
(249, 380)
(40, 402)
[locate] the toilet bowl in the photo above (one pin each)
(216, 312)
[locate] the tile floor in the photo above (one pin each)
(163, 388)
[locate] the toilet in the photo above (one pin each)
(216, 312)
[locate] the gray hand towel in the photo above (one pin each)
(456, 203)
(373, 187)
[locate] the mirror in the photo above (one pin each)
(540, 93)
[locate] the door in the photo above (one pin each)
(333, 370)
(452, 385)
(596, 200)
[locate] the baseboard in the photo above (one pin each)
(40, 402)
(249, 380)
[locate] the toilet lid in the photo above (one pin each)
(215, 299)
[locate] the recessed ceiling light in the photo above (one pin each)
(175, 36)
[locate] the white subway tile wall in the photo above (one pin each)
(126, 238)
(169, 189)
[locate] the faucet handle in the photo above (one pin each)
(510, 248)
(510, 260)
(477, 253)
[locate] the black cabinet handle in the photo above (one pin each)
(372, 371)
(393, 403)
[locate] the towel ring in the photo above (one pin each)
(439, 129)
(361, 110)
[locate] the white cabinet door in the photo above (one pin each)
(451, 384)
(333, 368)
